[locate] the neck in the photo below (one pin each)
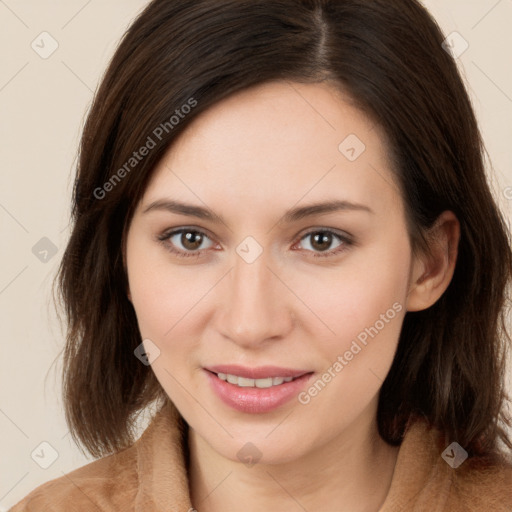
(351, 472)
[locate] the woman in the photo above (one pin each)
(283, 238)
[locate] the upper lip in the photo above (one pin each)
(260, 372)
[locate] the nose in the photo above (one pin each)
(257, 305)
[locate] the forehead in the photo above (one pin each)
(274, 145)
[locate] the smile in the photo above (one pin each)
(244, 382)
(257, 390)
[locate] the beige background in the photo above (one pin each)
(43, 103)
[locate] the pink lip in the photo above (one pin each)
(257, 400)
(261, 372)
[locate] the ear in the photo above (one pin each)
(431, 273)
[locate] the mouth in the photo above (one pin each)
(256, 390)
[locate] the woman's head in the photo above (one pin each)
(250, 109)
(267, 285)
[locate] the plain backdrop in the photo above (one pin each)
(43, 102)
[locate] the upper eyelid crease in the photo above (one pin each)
(293, 215)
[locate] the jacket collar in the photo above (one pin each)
(420, 473)
(161, 464)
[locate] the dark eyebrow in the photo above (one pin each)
(292, 215)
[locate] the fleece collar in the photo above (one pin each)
(422, 480)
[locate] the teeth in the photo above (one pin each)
(251, 383)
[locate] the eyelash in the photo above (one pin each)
(347, 242)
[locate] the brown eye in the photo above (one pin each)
(185, 242)
(191, 240)
(322, 240)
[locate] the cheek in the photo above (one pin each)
(360, 293)
(163, 299)
(162, 293)
(365, 310)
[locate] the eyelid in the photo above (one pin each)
(346, 240)
(169, 233)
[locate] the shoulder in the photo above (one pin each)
(151, 470)
(426, 476)
(480, 484)
(109, 483)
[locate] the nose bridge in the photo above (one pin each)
(255, 308)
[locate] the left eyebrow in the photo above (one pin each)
(302, 212)
(292, 215)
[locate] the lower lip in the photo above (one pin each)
(256, 400)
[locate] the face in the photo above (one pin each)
(255, 283)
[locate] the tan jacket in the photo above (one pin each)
(151, 476)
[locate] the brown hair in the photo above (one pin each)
(388, 56)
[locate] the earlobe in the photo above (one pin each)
(432, 273)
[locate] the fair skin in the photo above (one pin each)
(249, 159)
